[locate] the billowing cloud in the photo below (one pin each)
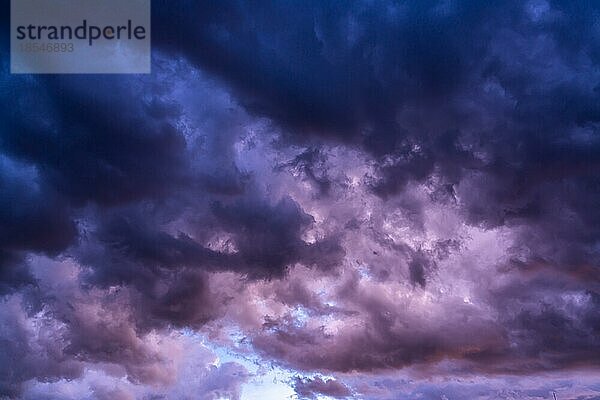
(384, 200)
(308, 388)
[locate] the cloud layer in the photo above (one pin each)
(385, 200)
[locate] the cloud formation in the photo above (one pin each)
(391, 199)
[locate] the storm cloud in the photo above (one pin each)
(384, 199)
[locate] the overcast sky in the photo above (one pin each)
(310, 200)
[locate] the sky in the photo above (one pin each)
(310, 200)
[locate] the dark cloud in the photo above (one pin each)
(32, 218)
(353, 186)
(92, 143)
(311, 388)
(310, 165)
(269, 237)
(340, 69)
